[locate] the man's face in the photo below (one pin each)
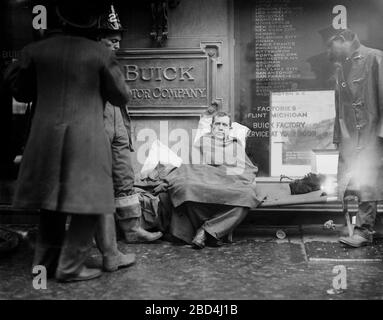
(112, 41)
(337, 49)
(221, 127)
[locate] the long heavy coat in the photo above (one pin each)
(67, 163)
(359, 122)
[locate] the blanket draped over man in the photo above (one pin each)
(215, 192)
(209, 184)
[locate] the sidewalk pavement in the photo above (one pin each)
(258, 265)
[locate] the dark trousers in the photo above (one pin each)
(184, 221)
(365, 218)
(217, 220)
(61, 249)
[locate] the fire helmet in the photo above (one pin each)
(110, 21)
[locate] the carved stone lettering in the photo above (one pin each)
(167, 82)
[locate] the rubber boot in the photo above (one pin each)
(106, 241)
(128, 215)
(134, 233)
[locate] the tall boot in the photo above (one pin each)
(107, 243)
(128, 215)
(134, 233)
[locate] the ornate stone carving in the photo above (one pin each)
(159, 12)
(213, 50)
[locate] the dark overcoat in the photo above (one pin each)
(67, 163)
(359, 122)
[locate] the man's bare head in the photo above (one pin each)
(220, 125)
(340, 45)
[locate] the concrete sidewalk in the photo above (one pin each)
(256, 266)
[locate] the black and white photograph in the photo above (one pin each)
(190, 156)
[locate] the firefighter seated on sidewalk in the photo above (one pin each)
(117, 126)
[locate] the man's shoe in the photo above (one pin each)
(215, 243)
(356, 240)
(199, 239)
(119, 260)
(85, 274)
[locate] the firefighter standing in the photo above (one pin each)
(117, 126)
(358, 131)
